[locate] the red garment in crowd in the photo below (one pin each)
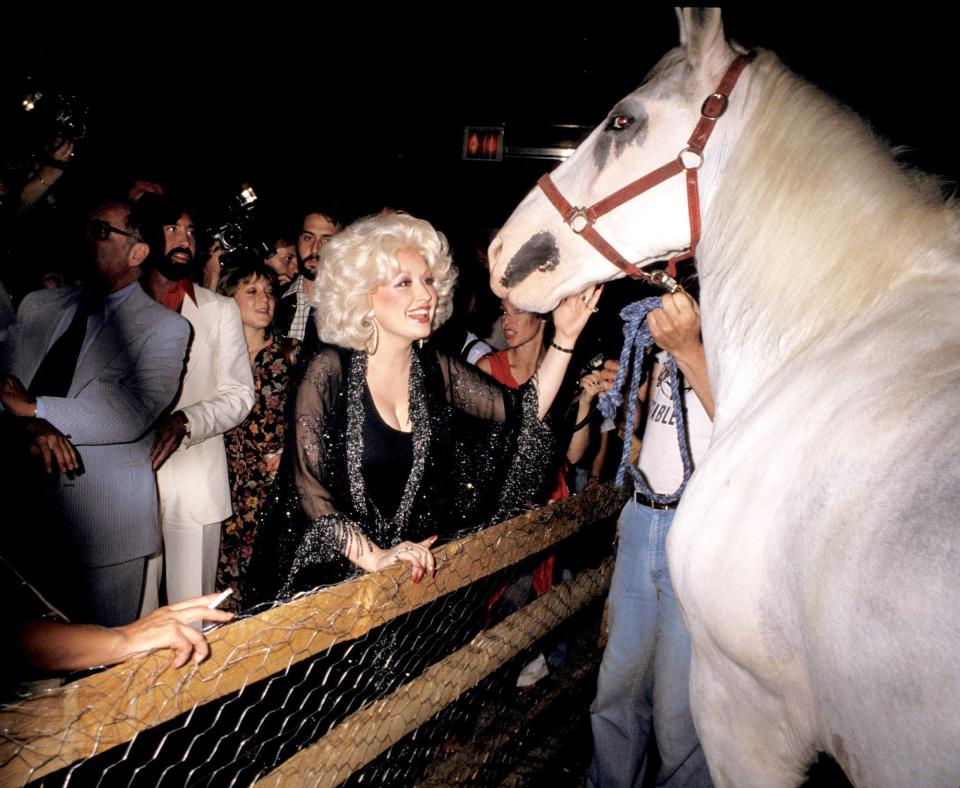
(543, 574)
(500, 370)
(173, 298)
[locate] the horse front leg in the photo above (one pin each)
(751, 736)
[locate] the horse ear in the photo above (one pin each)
(701, 33)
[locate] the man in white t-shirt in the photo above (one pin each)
(645, 673)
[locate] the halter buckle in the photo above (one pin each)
(579, 221)
(714, 106)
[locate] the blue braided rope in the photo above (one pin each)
(636, 339)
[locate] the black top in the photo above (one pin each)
(387, 459)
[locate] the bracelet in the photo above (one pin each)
(581, 424)
(555, 346)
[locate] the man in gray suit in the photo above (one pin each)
(101, 365)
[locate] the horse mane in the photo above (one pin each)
(813, 220)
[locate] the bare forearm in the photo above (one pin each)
(580, 439)
(597, 467)
(55, 646)
(38, 186)
(693, 364)
(550, 374)
(569, 318)
(676, 328)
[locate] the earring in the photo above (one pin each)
(374, 342)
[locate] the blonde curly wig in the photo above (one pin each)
(356, 261)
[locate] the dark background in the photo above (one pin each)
(366, 108)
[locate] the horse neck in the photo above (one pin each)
(808, 223)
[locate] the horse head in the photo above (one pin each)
(538, 257)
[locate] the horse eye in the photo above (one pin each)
(620, 122)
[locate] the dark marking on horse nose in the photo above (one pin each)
(540, 253)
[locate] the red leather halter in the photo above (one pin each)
(581, 220)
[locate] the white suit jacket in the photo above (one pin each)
(217, 395)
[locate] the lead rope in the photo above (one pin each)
(636, 340)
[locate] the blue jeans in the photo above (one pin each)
(644, 682)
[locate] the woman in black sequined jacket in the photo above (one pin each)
(393, 443)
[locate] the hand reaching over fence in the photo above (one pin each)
(58, 646)
(169, 627)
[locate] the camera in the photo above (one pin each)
(593, 365)
(238, 233)
(52, 116)
(36, 121)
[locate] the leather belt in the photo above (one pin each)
(651, 504)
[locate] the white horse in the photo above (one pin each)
(816, 552)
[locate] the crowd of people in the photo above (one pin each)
(150, 417)
(186, 421)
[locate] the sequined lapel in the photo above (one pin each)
(387, 532)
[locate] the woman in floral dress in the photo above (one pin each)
(253, 447)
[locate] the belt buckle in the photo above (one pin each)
(644, 500)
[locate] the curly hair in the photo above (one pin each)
(363, 257)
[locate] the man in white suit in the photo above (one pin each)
(217, 395)
(101, 364)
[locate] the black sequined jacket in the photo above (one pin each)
(479, 454)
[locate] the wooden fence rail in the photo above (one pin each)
(90, 716)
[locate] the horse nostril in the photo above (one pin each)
(493, 253)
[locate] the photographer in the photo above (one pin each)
(590, 388)
(44, 176)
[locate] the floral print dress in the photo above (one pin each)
(248, 446)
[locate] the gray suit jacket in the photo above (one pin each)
(126, 379)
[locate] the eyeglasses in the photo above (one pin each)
(100, 230)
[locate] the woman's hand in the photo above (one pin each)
(417, 554)
(591, 385)
(572, 314)
(211, 268)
